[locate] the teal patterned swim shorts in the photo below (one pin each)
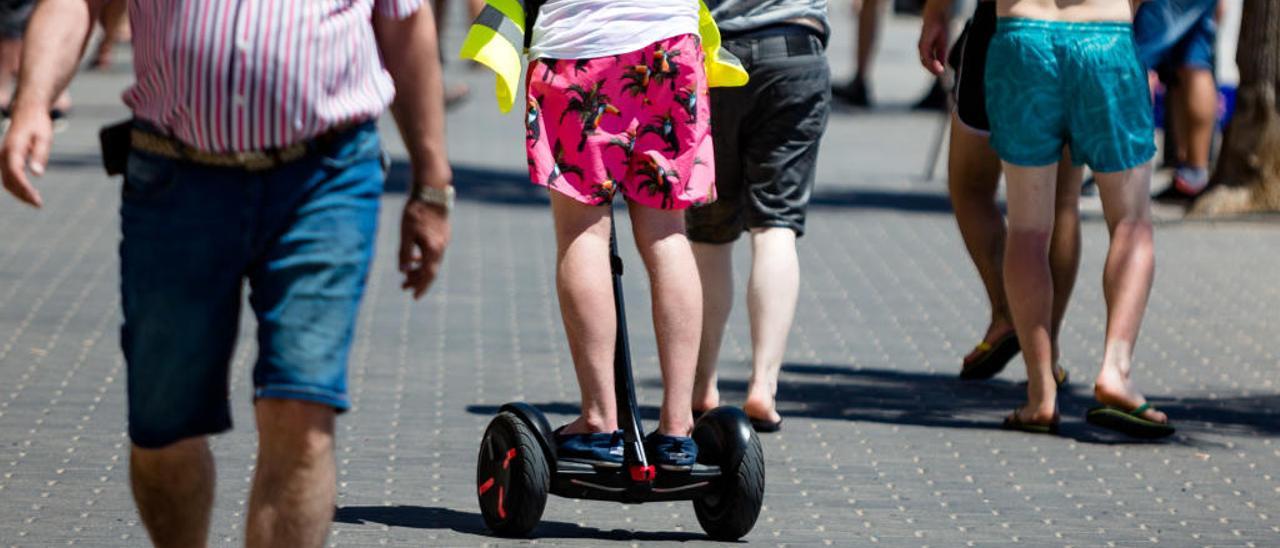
(1053, 83)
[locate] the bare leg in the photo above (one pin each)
(586, 304)
(677, 309)
(10, 60)
(115, 28)
(294, 486)
(1126, 282)
(868, 35)
(772, 293)
(173, 488)
(1029, 282)
(1197, 111)
(1064, 247)
(973, 174)
(715, 270)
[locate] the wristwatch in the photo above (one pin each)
(442, 197)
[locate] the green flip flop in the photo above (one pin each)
(1129, 423)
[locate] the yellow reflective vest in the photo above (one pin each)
(497, 40)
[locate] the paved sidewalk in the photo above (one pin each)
(882, 444)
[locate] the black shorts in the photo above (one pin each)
(969, 59)
(766, 137)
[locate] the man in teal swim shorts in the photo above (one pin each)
(1064, 72)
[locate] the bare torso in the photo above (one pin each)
(1068, 10)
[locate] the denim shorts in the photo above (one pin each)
(1052, 83)
(302, 236)
(1175, 34)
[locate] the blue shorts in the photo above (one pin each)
(302, 235)
(1176, 34)
(1052, 83)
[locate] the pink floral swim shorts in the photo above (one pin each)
(639, 123)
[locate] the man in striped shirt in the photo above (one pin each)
(254, 156)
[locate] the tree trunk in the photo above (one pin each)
(1247, 178)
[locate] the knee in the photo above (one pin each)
(294, 431)
(181, 453)
(1133, 231)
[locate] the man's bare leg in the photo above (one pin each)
(677, 308)
(868, 37)
(1064, 247)
(1196, 110)
(973, 174)
(173, 488)
(772, 293)
(1029, 282)
(1126, 283)
(586, 305)
(294, 486)
(715, 270)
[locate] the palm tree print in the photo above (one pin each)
(627, 143)
(561, 168)
(657, 180)
(591, 105)
(664, 126)
(549, 68)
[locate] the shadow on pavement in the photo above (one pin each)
(422, 517)
(479, 184)
(911, 202)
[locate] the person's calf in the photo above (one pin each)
(294, 485)
(173, 489)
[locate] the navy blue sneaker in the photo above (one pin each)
(597, 449)
(674, 453)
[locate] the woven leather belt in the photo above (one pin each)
(253, 160)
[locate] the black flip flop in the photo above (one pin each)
(1129, 423)
(765, 426)
(993, 358)
(1014, 422)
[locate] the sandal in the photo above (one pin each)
(992, 358)
(1129, 423)
(1014, 422)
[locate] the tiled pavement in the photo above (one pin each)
(882, 444)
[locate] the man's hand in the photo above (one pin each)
(424, 235)
(934, 36)
(409, 51)
(26, 145)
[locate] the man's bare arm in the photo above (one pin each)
(411, 54)
(934, 35)
(55, 39)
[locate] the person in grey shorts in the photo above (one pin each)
(766, 149)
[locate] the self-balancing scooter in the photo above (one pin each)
(518, 467)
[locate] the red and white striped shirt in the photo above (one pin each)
(241, 75)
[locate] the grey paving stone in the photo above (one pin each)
(882, 445)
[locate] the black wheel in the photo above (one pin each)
(725, 439)
(513, 477)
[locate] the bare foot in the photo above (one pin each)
(761, 409)
(1113, 389)
(1037, 414)
(580, 425)
(998, 329)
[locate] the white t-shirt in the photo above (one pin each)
(587, 29)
